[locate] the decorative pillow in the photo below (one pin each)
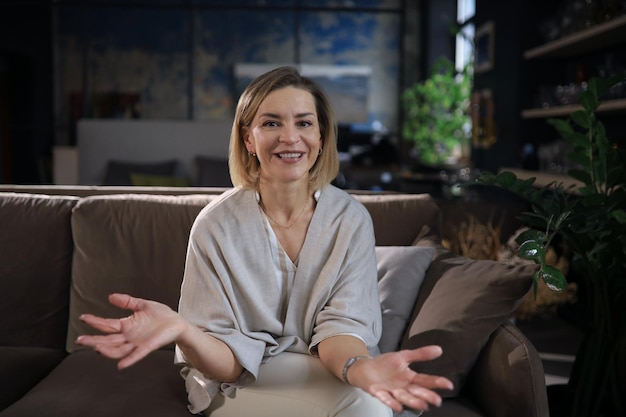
(119, 172)
(401, 271)
(461, 302)
(212, 172)
(145, 180)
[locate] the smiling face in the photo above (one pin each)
(285, 135)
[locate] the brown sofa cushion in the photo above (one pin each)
(133, 244)
(393, 226)
(509, 356)
(461, 302)
(22, 368)
(35, 266)
(88, 384)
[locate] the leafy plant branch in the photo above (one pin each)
(590, 219)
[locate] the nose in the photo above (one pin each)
(289, 135)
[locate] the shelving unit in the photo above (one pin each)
(559, 111)
(610, 33)
(601, 36)
(555, 62)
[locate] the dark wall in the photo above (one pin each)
(439, 18)
(504, 81)
(26, 74)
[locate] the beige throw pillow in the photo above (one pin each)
(401, 271)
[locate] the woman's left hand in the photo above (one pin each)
(389, 378)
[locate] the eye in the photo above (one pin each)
(270, 123)
(305, 123)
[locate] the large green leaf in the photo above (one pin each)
(506, 179)
(530, 235)
(562, 217)
(554, 279)
(582, 119)
(577, 140)
(562, 126)
(589, 99)
(580, 175)
(579, 157)
(619, 215)
(531, 250)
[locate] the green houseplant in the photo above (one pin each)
(590, 219)
(436, 118)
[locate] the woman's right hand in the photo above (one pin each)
(151, 326)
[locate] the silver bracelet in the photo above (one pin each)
(349, 363)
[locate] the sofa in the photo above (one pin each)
(64, 249)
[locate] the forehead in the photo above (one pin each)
(288, 98)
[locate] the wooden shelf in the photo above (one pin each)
(607, 106)
(606, 34)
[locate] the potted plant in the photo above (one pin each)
(436, 118)
(590, 219)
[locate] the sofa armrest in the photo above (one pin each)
(508, 377)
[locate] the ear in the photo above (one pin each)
(245, 133)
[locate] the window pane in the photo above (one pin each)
(464, 46)
(465, 10)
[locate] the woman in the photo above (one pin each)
(279, 311)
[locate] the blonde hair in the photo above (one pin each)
(244, 169)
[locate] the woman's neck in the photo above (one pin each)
(284, 204)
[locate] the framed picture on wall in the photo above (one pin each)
(484, 47)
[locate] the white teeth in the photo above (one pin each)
(289, 155)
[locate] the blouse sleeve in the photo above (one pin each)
(353, 306)
(204, 299)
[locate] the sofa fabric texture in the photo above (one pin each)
(66, 254)
(128, 244)
(35, 269)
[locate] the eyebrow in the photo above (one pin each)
(277, 116)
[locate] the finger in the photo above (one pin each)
(126, 302)
(418, 402)
(424, 353)
(430, 397)
(102, 324)
(93, 341)
(432, 381)
(388, 400)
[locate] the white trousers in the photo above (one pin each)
(297, 385)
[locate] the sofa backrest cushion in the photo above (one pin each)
(400, 218)
(133, 244)
(35, 269)
(136, 244)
